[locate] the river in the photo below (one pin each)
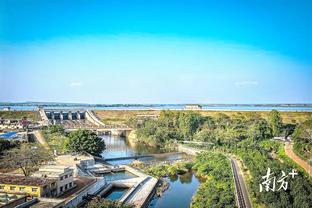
(181, 188)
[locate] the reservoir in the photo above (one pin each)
(173, 197)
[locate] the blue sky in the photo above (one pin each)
(170, 51)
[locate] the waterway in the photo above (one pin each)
(180, 192)
(119, 147)
(181, 188)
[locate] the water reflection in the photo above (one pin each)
(180, 192)
(117, 146)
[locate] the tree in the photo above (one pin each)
(85, 141)
(27, 158)
(57, 128)
(275, 121)
(6, 145)
(260, 130)
(303, 139)
(205, 135)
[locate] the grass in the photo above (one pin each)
(121, 116)
(31, 115)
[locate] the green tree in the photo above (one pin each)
(56, 128)
(85, 141)
(303, 139)
(260, 130)
(275, 121)
(205, 135)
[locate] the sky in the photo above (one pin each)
(164, 51)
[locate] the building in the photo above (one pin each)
(75, 162)
(7, 108)
(63, 176)
(193, 107)
(32, 186)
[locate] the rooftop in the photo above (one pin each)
(71, 160)
(22, 180)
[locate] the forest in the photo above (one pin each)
(248, 136)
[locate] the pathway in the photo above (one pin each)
(40, 138)
(290, 153)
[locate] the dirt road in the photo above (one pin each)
(290, 153)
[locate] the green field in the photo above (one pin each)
(30, 115)
(121, 116)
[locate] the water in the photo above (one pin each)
(181, 188)
(238, 107)
(117, 176)
(119, 147)
(179, 194)
(115, 193)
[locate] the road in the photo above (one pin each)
(243, 200)
(290, 153)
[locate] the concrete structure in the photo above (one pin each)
(75, 119)
(76, 162)
(193, 107)
(141, 188)
(62, 174)
(33, 186)
(92, 189)
(188, 150)
(11, 200)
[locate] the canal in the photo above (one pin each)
(181, 188)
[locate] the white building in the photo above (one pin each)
(193, 107)
(63, 175)
(7, 108)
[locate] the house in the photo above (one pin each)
(32, 186)
(63, 176)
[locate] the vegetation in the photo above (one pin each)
(31, 115)
(129, 116)
(7, 144)
(246, 135)
(275, 121)
(164, 169)
(56, 138)
(215, 169)
(303, 140)
(105, 203)
(85, 141)
(26, 157)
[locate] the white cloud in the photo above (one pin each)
(245, 83)
(75, 84)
